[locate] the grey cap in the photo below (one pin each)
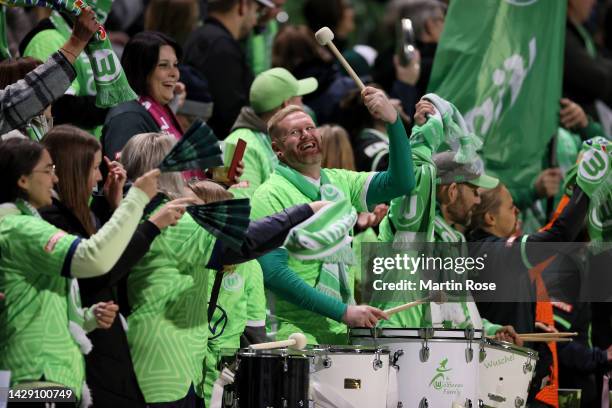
(449, 171)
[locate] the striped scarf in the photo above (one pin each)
(325, 236)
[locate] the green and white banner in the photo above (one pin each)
(500, 62)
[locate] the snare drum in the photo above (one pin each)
(437, 367)
(277, 378)
(505, 373)
(358, 376)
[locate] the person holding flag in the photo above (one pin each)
(314, 277)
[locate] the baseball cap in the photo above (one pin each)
(449, 171)
(274, 86)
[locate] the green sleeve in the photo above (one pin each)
(398, 179)
(592, 129)
(490, 328)
(284, 282)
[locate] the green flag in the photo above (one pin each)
(500, 62)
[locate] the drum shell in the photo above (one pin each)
(506, 371)
(443, 377)
(271, 379)
(358, 375)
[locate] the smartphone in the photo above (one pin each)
(238, 154)
(405, 41)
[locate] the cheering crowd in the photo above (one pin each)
(105, 272)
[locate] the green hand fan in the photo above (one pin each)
(227, 220)
(198, 149)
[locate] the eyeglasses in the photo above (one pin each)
(50, 170)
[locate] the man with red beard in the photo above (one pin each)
(299, 178)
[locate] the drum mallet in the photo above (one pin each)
(296, 341)
(437, 297)
(324, 37)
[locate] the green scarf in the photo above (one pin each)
(112, 87)
(593, 174)
(4, 46)
(325, 236)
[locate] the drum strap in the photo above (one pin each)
(214, 295)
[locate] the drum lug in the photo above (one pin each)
(519, 402)
(327, 362)
(377, 364)
(396, 357)
(285, 365)
(469, 354)
(468, 403)
(483, 353)
(480, 403)
(424, 353)
(375, 332)
(424, 403)
(425, 333)
(400, 404)
(527, 367)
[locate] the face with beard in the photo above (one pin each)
(299, 146)
(462, 202)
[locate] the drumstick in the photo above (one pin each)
(324, 37)
(438, 297)
(296, 340)
(546, 339)
(546, 334)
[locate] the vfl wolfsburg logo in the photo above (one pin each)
(106, 66)
(438, 380)
(411, 209)
(233, 282)
(600, 217)
(594, 165)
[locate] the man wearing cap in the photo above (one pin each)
(438, 210)
(314, 291)
(271, 91)
(215, 51)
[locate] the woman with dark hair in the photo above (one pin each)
(77, 156)
(38, 261)
(150, 61)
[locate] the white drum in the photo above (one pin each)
(349, 377)
(437, 367)
(505, 374)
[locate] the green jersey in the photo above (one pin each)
(241, 299)
(168, 326)
(34, 338)
(259, 159)
(276, 194)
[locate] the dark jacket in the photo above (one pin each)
(122, 122)
(585, 79)
(220, 59)
(109, 370)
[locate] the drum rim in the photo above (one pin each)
(347, 349)
(272, 353)
(478, 333)
(511, 347)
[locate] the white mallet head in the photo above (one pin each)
(324, 36)
(300, 341)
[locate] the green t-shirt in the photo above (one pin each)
(48, 42)
(34, 338)
(259, 159)
(168, 326)
(276, 194)
(240, 300)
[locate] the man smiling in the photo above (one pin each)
(321, 285)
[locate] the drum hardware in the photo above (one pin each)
(483, 353)
(519, 402)
(377, 364)
(400, 405)
(468, 403)
(527, 366)
(496, 397)
(469, 352)
(423, 403)
(425, 334)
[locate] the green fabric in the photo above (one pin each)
(4, 46)
(168, 326)
(495, 82)
(228, 220)
(588, 40)
(231, 315)
(276, 194)
(259, 48)
(259, 159)
(198, 149)
(36, 341)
